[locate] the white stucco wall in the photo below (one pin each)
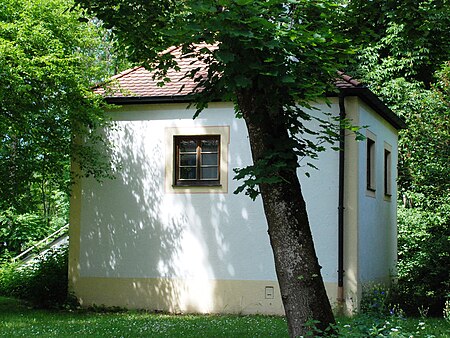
(377, 235)
(320, 191)
(131, 227)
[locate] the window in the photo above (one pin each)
(370, 156)
(387, 171)
(197, 160)
(215, 179)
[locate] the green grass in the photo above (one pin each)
(394, 326)
(18, 320)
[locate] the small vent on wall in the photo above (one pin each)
(269, 292)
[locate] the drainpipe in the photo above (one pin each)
(340, 290)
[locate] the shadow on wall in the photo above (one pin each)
(140, 247)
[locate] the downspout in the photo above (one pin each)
(340, 290)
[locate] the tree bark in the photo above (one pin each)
(297, 267)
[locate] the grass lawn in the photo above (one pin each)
(17, 320)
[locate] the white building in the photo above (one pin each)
(148, 239)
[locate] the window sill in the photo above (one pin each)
(175, 186)
(370, 192)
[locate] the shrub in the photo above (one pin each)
(18, 231)
(43, 283)
(423, 274)
(446, 311)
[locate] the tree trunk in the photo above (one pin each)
(297, 267)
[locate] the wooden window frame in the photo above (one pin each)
(198, 181)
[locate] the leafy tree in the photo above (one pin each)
(397, 39)
(424, 216)
(48, 61)
(270, 58)
(403, 50)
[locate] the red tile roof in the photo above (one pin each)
(137, 86)
(139, 82)
(346, 81)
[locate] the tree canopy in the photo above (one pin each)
(397, 38)
(49, 59)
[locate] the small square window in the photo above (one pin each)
(197, 160)
(198, 171)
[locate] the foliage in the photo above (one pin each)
(423, 274)
(48, 62)
(424, 211)
(397, 39)
(43, 282)
(18, 231)
(447, 309)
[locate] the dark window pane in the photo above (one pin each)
(188, 159)
(197, 159)
(209, 159)
(387, 172)
(209, 173)
(210, 145)
(187, 173)
(188, 146)
(370, 164)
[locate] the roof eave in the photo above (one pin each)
(375, 103)
(128, 100)
(362, 92)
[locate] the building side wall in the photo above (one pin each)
(377, 217)
(137, 242)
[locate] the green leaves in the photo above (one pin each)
(405, 38)
(224, 56)
(48, 62)
(243, 2)
(424, 238)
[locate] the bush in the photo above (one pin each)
(43, 283)
(19, 231)
(423, 274)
